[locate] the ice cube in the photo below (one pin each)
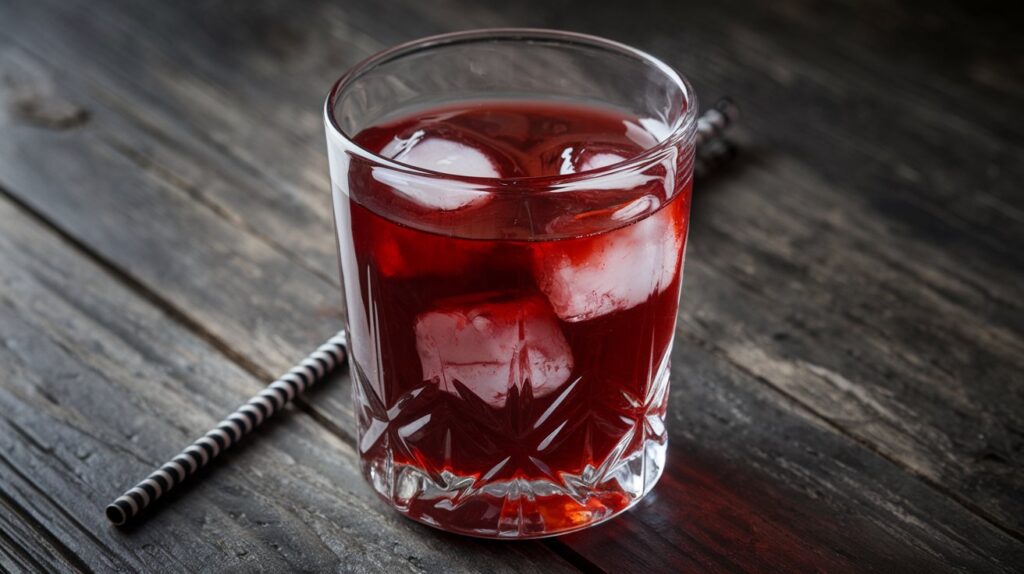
(435, 152)
(492, 343)
(647, 132)
(587, 160)
(593, 276)
(439, 154)
(567, 156)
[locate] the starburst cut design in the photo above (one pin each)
(445, 446)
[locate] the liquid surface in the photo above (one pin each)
(508, 387)
(512, 140)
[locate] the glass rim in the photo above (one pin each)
(684, 128)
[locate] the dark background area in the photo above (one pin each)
(847, 379)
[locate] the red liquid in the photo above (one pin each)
(517, 338)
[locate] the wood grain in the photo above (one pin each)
(858, 276)
(100, 386)
(755, 484)
(225, 281)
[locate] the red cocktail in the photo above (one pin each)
(512, 273)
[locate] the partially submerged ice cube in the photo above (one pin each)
(441, 154)
(491, 343)
(581, 158)
(571, 156)
(589, 277)
(447, 152)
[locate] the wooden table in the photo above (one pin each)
(849, 366)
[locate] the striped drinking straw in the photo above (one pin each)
(229, 431)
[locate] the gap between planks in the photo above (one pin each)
(173, 180)
(51, 541)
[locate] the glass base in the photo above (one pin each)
(520, 508)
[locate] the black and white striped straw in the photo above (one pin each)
(712, 157)
(230, 431)
(713, 152)
(713, 122)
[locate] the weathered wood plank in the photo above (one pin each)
(708, 555)
(755, 484)
(100, 386)
(955, 294)
(855, 88)
(229, 284)
(898, 364)
(25, 549)
(902, 271)
(180, 87)
(752, 269)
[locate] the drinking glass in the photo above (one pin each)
(511, 335)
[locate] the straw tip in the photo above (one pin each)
(116, 515)
(728, 108)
